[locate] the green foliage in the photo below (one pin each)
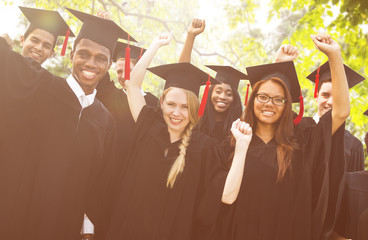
(245, 33)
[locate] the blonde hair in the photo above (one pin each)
(178, 165)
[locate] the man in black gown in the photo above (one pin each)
(354, 153)
(38, 42)
(57, 141)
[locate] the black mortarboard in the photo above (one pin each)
(135, 52)
(283, 70)
(352, 76)
(366, 113)
(182, 75)
(102, 31)
(50, 21)
(228, 75)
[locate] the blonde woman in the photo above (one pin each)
(167, 170)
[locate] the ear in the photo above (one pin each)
(21, 41)
(71, 56)
(161, 101)
(52, 53)
(108, 67)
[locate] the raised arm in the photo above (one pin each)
(196, 27)
(286, 52)
(340, 89)
(134, 85)
(242, 133)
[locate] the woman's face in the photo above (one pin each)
(269, 113)
(222, 97)
(175, 110)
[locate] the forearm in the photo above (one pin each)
(340, 90)
(139, 70)
(235, 175)
(186, 53)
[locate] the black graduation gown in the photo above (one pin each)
(55, 158)
(354, 152)
(303, 205)
(354, 203)
(116, 101)
(146, 208)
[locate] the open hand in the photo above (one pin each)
(286, 53)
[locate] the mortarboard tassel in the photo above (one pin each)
(65, 44)
(127, 62)
(140, 55)
(204, 98)
(301, 110)
(246, 95)
(316, 84)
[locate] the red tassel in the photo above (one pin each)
(204, 98)
(316, 84)
(246, 95)
(140, 55)
(127, 62)
(65, 44)
(301, 110)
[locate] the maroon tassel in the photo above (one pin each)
(316, 84)
(204, 98)
(140, 55)
(301, 110)
(246, 95)
(65, 44)
(127, 62)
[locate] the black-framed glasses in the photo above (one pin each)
(263, 98)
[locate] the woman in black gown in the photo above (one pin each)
(224, 104)
(285, 184)
(168, 168)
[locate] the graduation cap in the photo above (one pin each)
(187, 76)
(120, 51)
(366, 113)
(229, 75)
(50, 21)
(284, 71)
(102, 31)
(323, 74)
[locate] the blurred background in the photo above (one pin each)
(238, 33)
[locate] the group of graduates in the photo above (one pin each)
(81, 158)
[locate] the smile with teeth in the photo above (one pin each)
(35, 54)
(176, 121)
(268, 113)
(221, 104)
(88, 74)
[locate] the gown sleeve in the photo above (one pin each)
(355, 161)
(323, 155)
(215, 175)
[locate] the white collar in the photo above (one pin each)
(84, 100)
(316, 117)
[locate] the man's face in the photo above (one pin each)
(120, 70)
(38, 45)
(90, 61)
(324, 98)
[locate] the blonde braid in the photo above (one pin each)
(179, 163)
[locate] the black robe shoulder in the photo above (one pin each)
(146, 208)
(56, 158)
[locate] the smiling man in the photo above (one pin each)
(354, 154)
(57, 141)
(39, 41)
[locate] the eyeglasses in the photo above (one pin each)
(278, 101)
